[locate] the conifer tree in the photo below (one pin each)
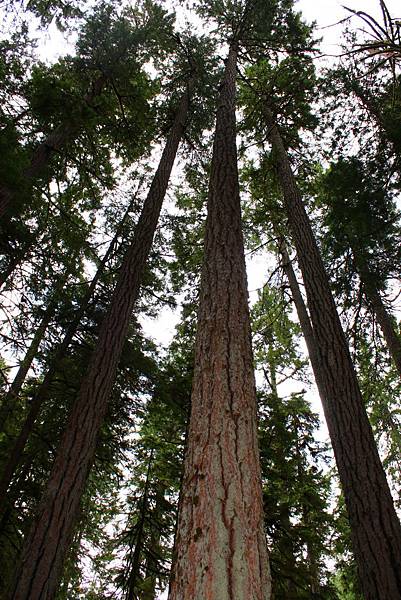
(43, 555)
(220, 546)
(358, 461)
(363, 232)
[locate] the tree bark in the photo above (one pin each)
(54, 142)
(393, 341)
(42, 559)
(303, 317)
(220, 544)
(42, 393)
(376, 530)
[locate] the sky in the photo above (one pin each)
(326, 13)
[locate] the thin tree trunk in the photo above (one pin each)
(393, 341)
(375, 528)
(54, 142)
(303, 316)
(42, 393)
(135, 563)
(8, 404)
(44, 551)
(153, 563)
(220, 544)
(4, 275)
(284, 548)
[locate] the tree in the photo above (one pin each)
(220, 547)
(84, 96)
(40, 578)
(41, 394)
(362, 232)
(357, 458)
(295, 488)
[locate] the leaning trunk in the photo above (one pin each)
(393, 340)
(44, 551)
(14, 263)
(303, 317)
(42, 393)
(54, 142)
(376, 531)
(220, 544)
(9, 403)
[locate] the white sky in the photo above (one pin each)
(325, 12)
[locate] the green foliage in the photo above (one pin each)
(115, 98)
(296, 488)
(361, 220)
(288, 87)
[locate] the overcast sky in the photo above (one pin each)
(326, 13)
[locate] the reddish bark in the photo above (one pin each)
(220, 544)
(42, 559)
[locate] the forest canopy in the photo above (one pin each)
(200, 266)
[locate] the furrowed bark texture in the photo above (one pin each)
(54, 142)
(393, 341)
(42, 393)
(44, 551)
(220, 544)
(375, 528)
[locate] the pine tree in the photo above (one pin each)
(361, 219)
(39, 578)
(357, 458)
(220, 546)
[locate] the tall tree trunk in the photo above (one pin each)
(284, 545)
(42, 393)
(54, 142)
(303, 316)
(153, 561)
(393, 340)
(44, 551)
(376, 530)
(220, 544)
